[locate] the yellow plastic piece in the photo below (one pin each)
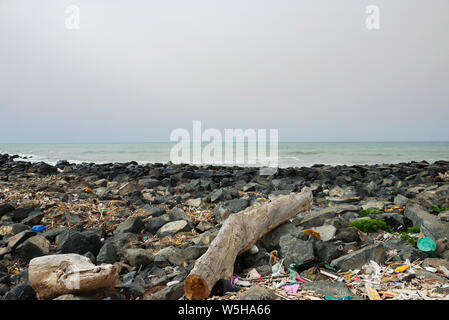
(372, 294)
(399, 208)
(402, 268)
(311, 231)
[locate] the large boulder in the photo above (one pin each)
(19, 238)
(51, 235)
(400, 200)
(132, 225)
(149, 183)
(139, 258)
(317, 218)
(107, 254)
(435, 263)
(173, 227)
(70, 218)
(221, 213)
(173, 292)
(237, 205)
(21, 291)
(327, 232)
(54, 275)
(47, 169)
(348, 235)
(178, 214)
(270, 241)
(122, 240)
(156, 223)
(33, 247)
(358, 258)
(217, 195)
(394, 220)
(405, 249)
(179, 256)
(257, 293)
(327, 288)
(103, 193)
(326, 251)
(127, 188)
(33, 218)
(431, 226)
(71, 241)
(21, 213)
(155, 211)
(5, 209)
(294, 250)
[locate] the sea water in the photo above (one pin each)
(290, 154)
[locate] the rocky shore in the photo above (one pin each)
(151, 222)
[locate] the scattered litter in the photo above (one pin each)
(372, 293)
(277, 269)
(239, 282)
(373, 268)
(87, 190)
(39, 228)
(307, 297)
(330, 275)
(337, 298)
(390, 281)
(298, 278)
(14, 271)
(387, 294)
(293, 289)
(431, 269)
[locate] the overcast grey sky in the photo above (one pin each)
(136, 70)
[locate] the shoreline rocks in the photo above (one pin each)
(151, 222)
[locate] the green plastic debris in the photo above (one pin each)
(337, 298)
(330, 268)
(292, 271)
(427, 245)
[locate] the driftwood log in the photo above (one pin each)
(239, 233)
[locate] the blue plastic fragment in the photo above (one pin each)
(39, 228)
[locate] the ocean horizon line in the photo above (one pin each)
(174, 142)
